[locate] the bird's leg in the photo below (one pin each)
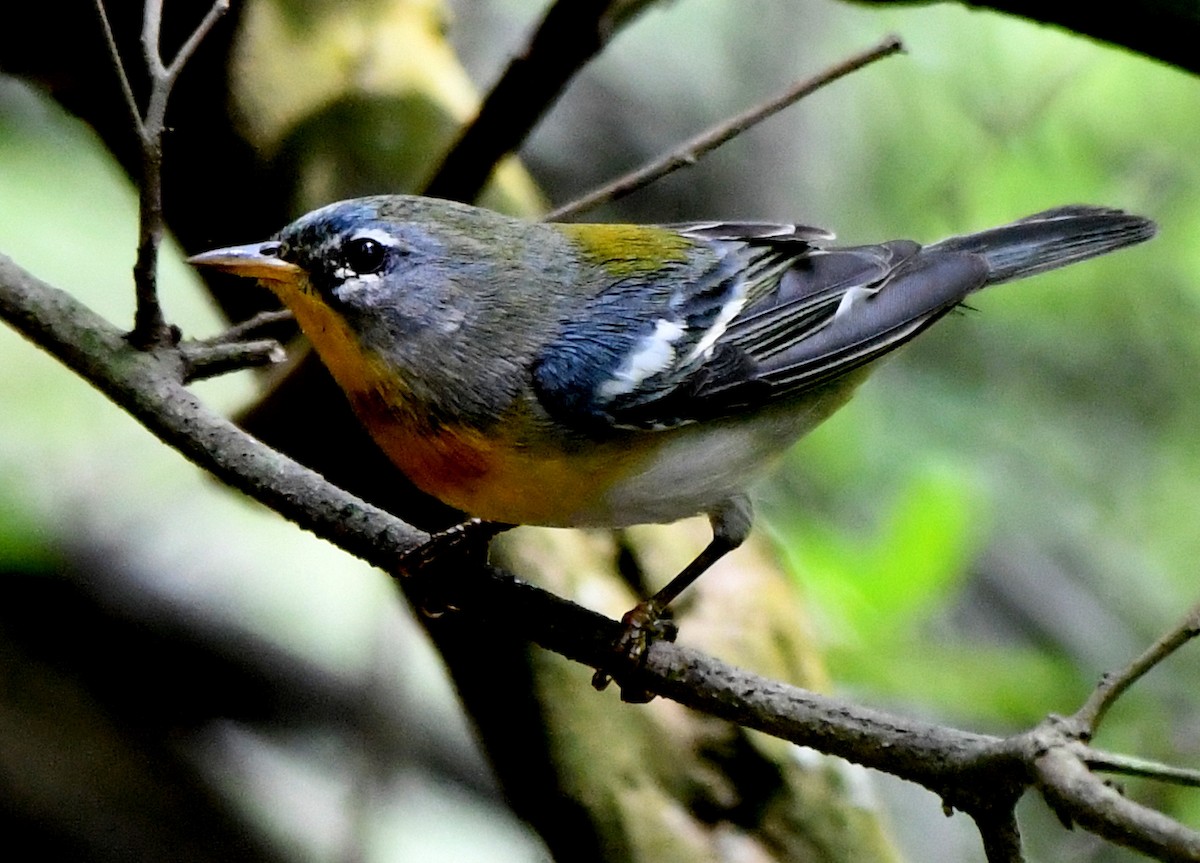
(647, 621)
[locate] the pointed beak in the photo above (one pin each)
(256, 261)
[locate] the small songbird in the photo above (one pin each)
(576, 375)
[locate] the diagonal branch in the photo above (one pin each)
(148, 385)
(1127, 765)
(1114, 684)
(122, 76)
(690, 151)
(977, 773)
(1077, 796)
(571, 33)
(188, 48)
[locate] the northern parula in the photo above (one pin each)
(578, 375)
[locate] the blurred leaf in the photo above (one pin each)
(358, 98)
(984, 684)
(869, 589)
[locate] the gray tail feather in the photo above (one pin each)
(1051, 239)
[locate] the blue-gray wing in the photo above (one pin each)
(835, 311)
(770, 316)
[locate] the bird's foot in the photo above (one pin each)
(464, 544)
(647, 622)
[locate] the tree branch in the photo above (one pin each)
(1079, 798)
(148, 384)
(571, 33)
(1166, 29)
(977, 773)
(150, 328)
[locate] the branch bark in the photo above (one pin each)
(977, 773)
(1165, 29)
(571, 33)
(148, 384)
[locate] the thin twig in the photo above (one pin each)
(1113, 685)
(185, 52)
(1127, 765)
(203, 361)
(126, 88)
(150, 328)
(688, 153)
(570, 34)
(709, 140)
(151, 26)
(234, 349)
(243, 330)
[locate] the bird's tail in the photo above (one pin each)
(1054, 238)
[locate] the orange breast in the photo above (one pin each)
(495, 478)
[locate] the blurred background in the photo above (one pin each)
(1005, 511)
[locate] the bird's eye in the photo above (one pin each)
(364, 255)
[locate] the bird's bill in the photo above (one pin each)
(256, 261)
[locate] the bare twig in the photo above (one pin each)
(1113, 685)
(571, 33)
(188, 48)
(115, 54)
(245, 329)
(203, 361)
(1078, 797)
(1127, 765)
(150, 328)
(688, 153)
(235, 349)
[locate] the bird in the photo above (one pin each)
(606, 375)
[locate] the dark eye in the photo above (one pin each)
(364, 255)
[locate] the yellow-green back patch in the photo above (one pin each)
(627, 250)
